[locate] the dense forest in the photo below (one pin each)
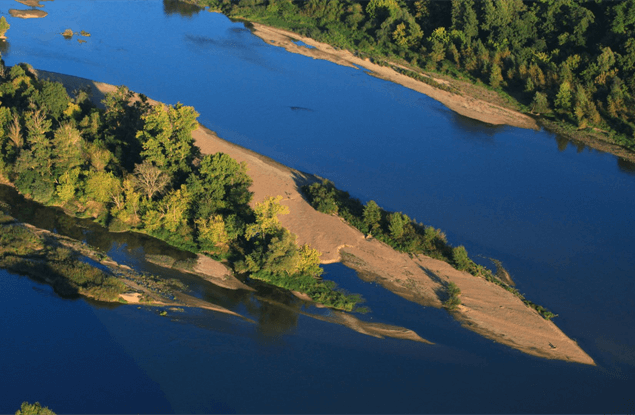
(572, 62)
(134, 166)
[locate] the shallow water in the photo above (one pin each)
(558, 216)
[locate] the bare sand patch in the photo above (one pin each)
(465, 105)
(31, 3)
(486, 308)
(28, 14)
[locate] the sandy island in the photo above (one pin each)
(486, 308)
(28, 14)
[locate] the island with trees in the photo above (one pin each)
(142, 166)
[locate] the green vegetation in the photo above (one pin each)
(134, 166)
(4, 26)
(402, 233)
(25, 252)
(571, 61)
(453, 301)
(33, 409)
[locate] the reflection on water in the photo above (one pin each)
(171, 7)
(626, 166)
(4, 46)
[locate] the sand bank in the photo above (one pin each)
(28, 14)
(486, 308)
(474, 108)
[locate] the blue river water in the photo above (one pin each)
(558, 216)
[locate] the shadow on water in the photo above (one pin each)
(172, 7)
(626, 166)
(275, 310)
(5, 46)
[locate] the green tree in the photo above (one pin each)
(372, 215)
(33, 409)
(397, 222)
(4, 26)
(540, 103)
(167, 139)
(221, 185)
(563, 98)
(267, 221)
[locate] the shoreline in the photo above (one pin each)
(486, 308)
(465, 105)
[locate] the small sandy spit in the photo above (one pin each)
(486, 308)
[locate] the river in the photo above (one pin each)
(555, 214)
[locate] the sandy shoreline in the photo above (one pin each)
(486, 308)
(467, 106)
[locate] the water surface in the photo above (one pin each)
(557, 215)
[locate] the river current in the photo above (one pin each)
(559, 217)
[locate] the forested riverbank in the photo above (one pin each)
(568, 64)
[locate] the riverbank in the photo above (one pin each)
(486, 308)
(467, 99)
(465, 105)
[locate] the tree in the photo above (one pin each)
(53, 98)
(267, 221)
(220, 185)
(397, 221)
(149, 179)
(33, 409)
(372, 215)
(4, 26)
(563, 98)
(464, 18)
(540, 103)
(309, 261)
(167, 140)
(212, 235)
(101, 186)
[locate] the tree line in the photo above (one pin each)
(134, 166)
(570, 61)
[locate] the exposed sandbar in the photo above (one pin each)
(28, 14)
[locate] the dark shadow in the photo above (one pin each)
(441, 293)
(74, 84)
(562, 142)
(5, 47)
(475, 126)
(625, 166)
(172, 7)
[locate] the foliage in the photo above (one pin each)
(4, 26)
(453, 301)
(33, 409)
